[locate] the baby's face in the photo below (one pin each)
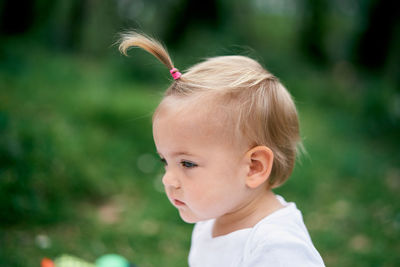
(204, 173)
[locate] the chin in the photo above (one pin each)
(190, 220)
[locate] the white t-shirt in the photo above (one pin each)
(279, 240)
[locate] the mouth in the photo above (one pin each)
(178, 203)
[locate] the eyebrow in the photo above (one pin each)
(178, 153)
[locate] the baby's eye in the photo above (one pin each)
(188, 164)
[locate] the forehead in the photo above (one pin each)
(197, 127)
(188, 119)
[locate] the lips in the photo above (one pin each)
(178, 202)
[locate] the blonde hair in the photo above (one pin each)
(261, 108)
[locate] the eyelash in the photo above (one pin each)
(188, 164)
(184, 163)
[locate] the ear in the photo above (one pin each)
(259, 160)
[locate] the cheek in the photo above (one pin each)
(201, 188)
(230, 177)
(212, 187)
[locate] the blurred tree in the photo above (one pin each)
(16, 16)
(100, 26)
(191, 14)
(69, 25)
(83, 25)
(64, 27)
(377, 52)
(374, 44)
(313, 30)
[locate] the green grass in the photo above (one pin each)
(79, 174)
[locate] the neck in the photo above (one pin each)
(248, 215)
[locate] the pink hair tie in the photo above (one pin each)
(175, 73)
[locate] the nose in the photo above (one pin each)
(170, 180)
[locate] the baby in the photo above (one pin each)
(227, 132)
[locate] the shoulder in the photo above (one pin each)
(280, 240)
(283, 252)
(285, 224)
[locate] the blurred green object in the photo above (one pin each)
(71, 261)
(108, 260)
(112, 260)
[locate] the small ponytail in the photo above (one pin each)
(147, 43)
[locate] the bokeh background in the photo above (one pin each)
(78, 168)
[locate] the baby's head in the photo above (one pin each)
(232, 100)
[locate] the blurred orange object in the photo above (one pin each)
(47, 263)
